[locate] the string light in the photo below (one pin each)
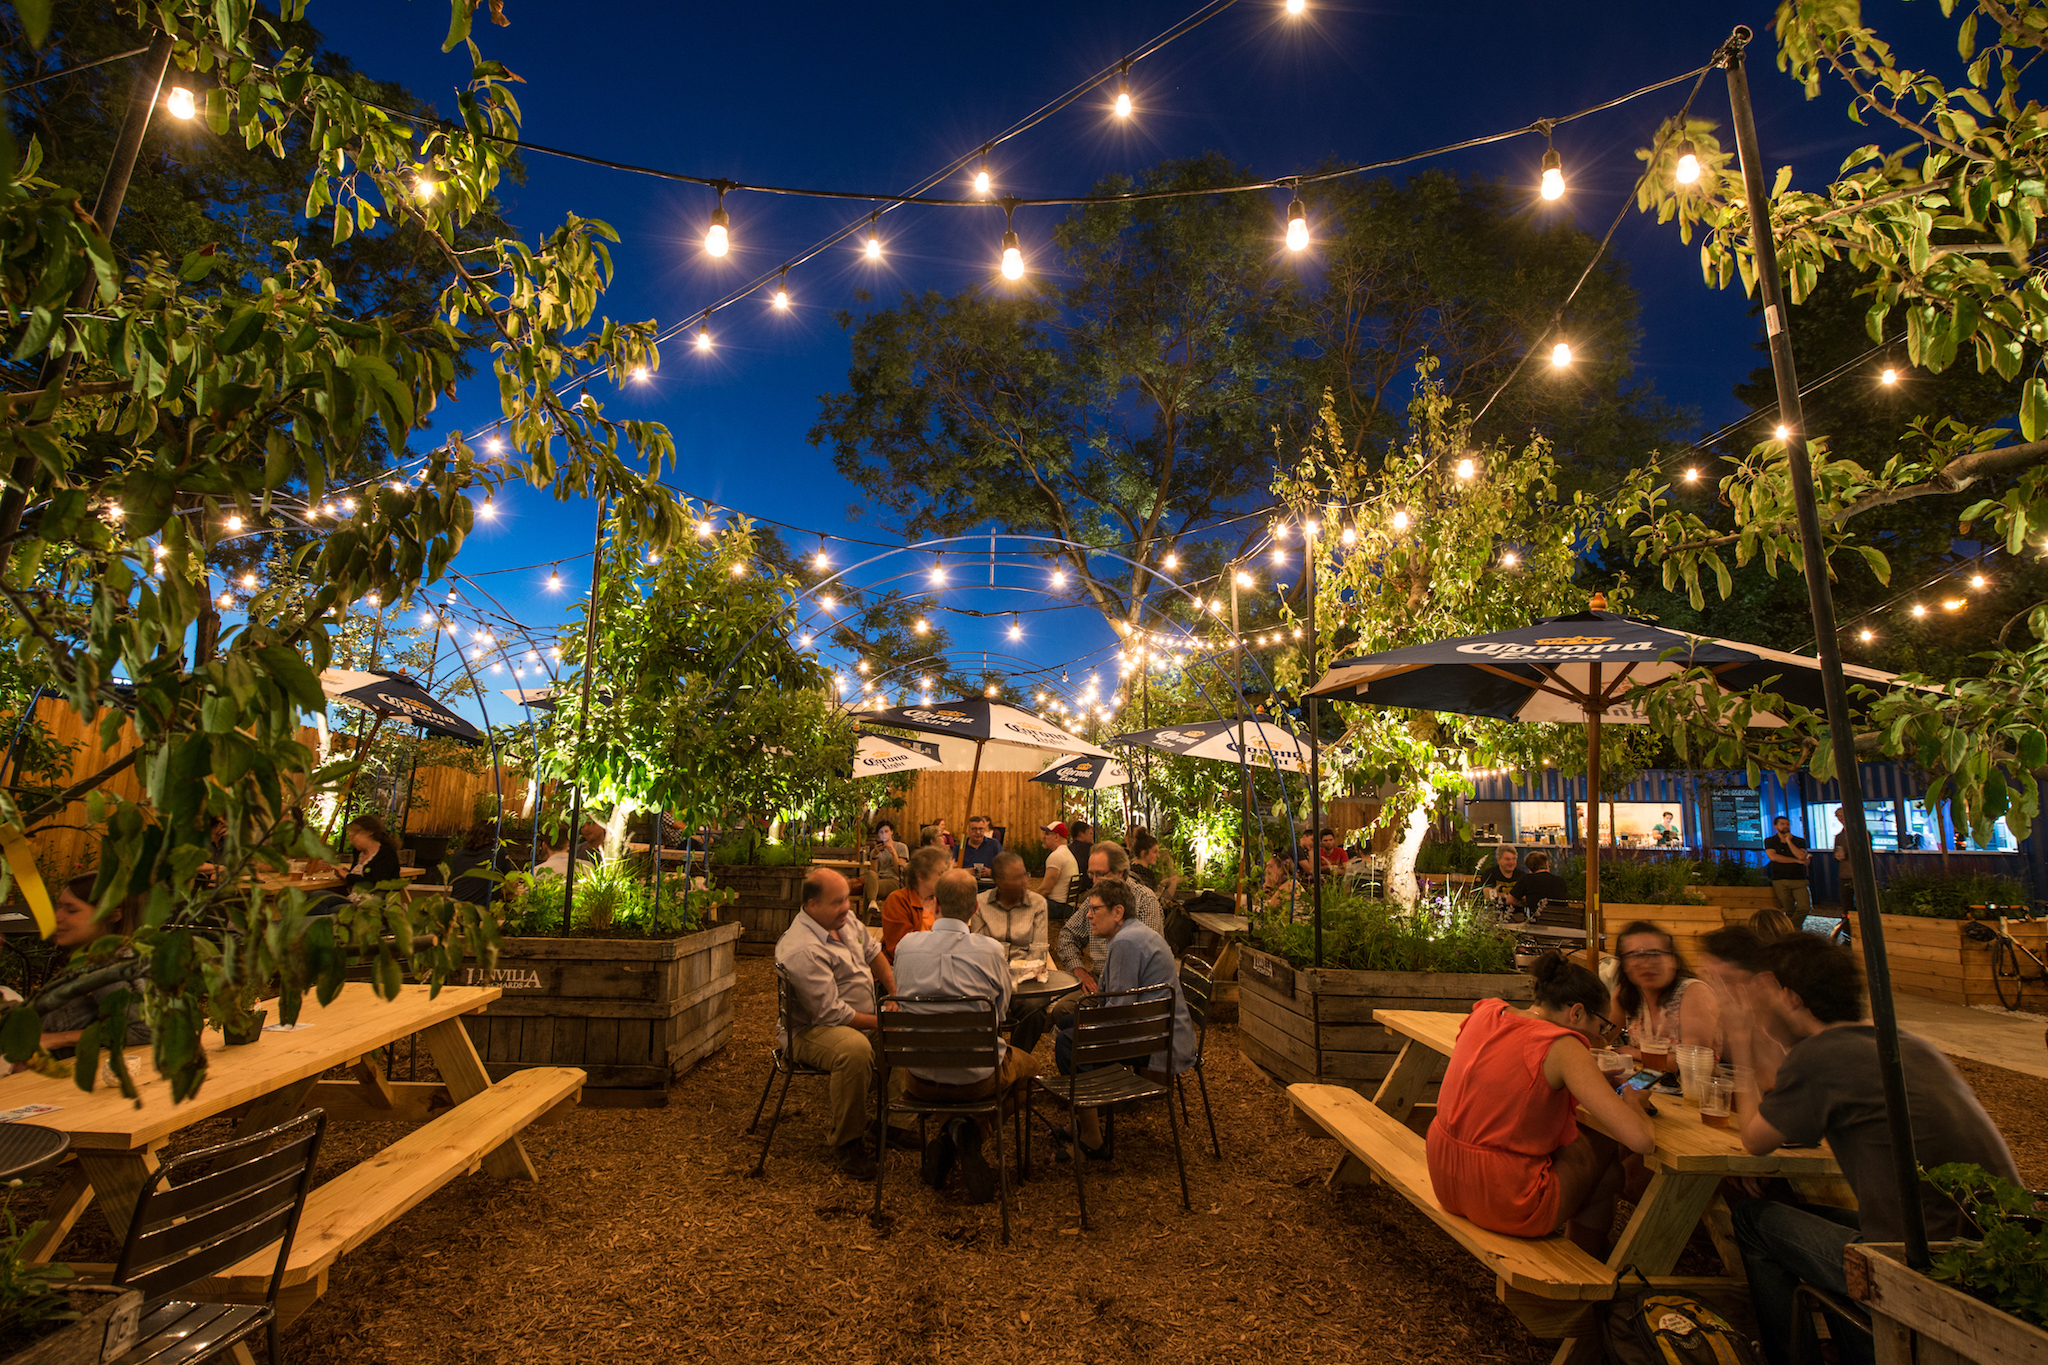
(1296, 6)
(1953, 604)
(1561, 355)
(1688, 164)
(224, 601)
(1977, 580)
(487, 511)
(1244, 580)
(1172, 561)
(1297, 225)
(249, 580)
(819, 562)
(1016, 629)
(1783, 431)
(782, 290)
(1692, 475)
(704, 333)
(639, 374)
(923, 626)
(874, 247)
(1919, 609)
(827, 602)
(939, 572)
(1279, 556)
(1889, 377)
(715, 241)
(1553, 175)
(1123, 91)
(1400, 520)
(1059, 578)
(554, 582)
(234, 523)
(806, 640)
(424, 188)
(1349, 536)
(1509, 559)
(179, 103)
(703, 528)
(981, 177)
(1865, 635)
(1466, 468)
(739, 568)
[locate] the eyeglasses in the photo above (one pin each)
(1608, 1027)
(1647, 955)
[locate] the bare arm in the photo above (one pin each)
(1702, 1023)
(1759, 1137)
(1569, 1066)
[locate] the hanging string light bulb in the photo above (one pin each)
(1889, 377)
(1688, 170)
(982, 182)
(1553, 170)
(1561, 355)
(874, 247)
(1296, 6)
(1297, 224)
(554, 581)
(1172, 561)
(1013, 255)
(1466, 468)
(704, 331)
(715, 240)
(179, 103)
(1123, 90)
(1016, 629)
(1059, 578)
(782, 290)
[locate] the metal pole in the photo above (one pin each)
(583, 717)
(1862, 864)
(1594, 707)
(1315, 767)
(1244, 774)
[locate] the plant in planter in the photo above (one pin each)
(35, 1297)
(2006, 1264)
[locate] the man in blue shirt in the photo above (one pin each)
(982, 846)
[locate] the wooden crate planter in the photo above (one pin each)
(1932, 958)
(108, 1328)
(1687, 924)
(769, 900)
(633, 1013)
(1918, 1321)
(1738, 903)
(1315, 1024)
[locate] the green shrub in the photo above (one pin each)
(2006, 1263)
(613, 900)
(1723, 869)
(1635, 881)
(1362, 934)
(1460, 855)
(1933, 896)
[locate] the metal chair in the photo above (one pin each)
(941, 1032)
(1197, 985)
(202, 1213)
(781, 1062)
(1111, 1029)
(1808, 1300)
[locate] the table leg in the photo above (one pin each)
(1720, 1222)
(1409, 1080)
(66, 1205)
(278, 1106)
(1348, 1171)
(118, 1178)
(1663, 1221)
(462, 1071)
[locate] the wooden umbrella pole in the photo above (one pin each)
(1594, 705)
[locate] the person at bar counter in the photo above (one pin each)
(1536, 884)
(1666, 831)
(833, 966)
(1788, 857)
(1829, 1087)
(914, 907)
(1506, 1149)
(982, 846)
(950, 959)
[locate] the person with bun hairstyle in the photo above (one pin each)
(1506, 1149)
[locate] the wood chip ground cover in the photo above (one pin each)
(646, 1240)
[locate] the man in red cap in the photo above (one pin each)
(1060, 871)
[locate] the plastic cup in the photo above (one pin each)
(1717, 1102)
(1613, 1065)
(1656, 1050)
(1695, 1069)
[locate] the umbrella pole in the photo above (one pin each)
(1315, 771)
(973, 781)
(1593, 709)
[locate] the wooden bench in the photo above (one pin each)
(1547, 1282)
(365, 1199)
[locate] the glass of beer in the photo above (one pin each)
(1656, 1051)
(1717, 1102)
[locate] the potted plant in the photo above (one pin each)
(1926, 931)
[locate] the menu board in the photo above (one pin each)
(1738, 815)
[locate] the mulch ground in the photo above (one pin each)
(646, 1240)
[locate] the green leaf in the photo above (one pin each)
(241, 332)
(295, 676)
(2034, 409)
(1880, 567)
(21, 1034)
(458, 24)
(35, 20)
(2033, 749)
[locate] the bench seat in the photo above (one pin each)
(365, 1199)
(1543, 1268)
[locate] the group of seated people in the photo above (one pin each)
(943, 935)
(1786, 1011)
(1521, 884)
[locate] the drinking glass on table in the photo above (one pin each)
(1695, 1069)
(1656, 1050)
(1717, 1101)
(1613, 1065)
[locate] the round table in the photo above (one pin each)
(1033, 994)
(26, 1148)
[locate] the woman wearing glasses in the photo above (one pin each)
(1506, 1149)
(1659, 997)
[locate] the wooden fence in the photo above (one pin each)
(1011, 800)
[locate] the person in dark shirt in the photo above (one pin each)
(1081, 835)
(1537, 883)
(475, 856)
(982, 846)
(1501, 870)
(376, 861)
(1787, 854)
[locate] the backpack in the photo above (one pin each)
(1644, 1325)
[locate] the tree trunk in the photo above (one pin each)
(615, 830)
(1401, 857)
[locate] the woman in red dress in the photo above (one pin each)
(1506, 1150)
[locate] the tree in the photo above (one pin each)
(1131, 409)
(173, 398)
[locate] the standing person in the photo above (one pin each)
(833, 966)
(1506, 1149)
(982, 845)
(1842, 863)
(1666, 830)
(912, 908)
(1658, 996)
(1829, 1087)
(1060, 870)
(948, 959)
(1788, 857)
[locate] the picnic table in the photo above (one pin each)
(1687, 1165)
(669, 854)
(274, 882)
(466, 1122)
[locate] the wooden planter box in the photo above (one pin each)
(1310, 1024)
(769, 900)
(112, 1321)
(1738, 903)
(1916, 1319)
(1930, 957)
(1687, 924)
(633, 1013)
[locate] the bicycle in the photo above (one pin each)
(2007, 975)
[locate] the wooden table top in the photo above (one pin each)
(1217, 923)
(1684, 1143)
(357, 1022)
(320, 881)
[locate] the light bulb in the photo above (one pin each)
(1553, 175)
(234, 523)
(1059, 578)
(224, 601)
(487, 512)
(1279, 556)
(874, 247)
(923, 625)
(704, 337)
(554, 582)
(738, 568)
(249, 580)
(1466, 469)
(1297, 226)
(179, 103)
(862, 665)
(1016, 630)
(1244, 580)
(1400, 521)
(827, 602)
(1976, 580)
(1688, 169)
(1889, 377)
(806, 640)
(639, 375)
(1123, 102)
(423, 188)
(1865, 636)
(982, 181)
(1013, 258)
(819, 561)
(782, 298)
(348, 504)
(374, 599)
(703, 528)
(1296, 6)
(1692, 476)
(1561, 354)
(1953, 604)
(1349, 536)
(1919, 609)
(1509, 559)
(1171, 561)
(715, 239)
(1783, 431)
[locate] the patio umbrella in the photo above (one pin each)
(1574, 669)
(1085, 772)
(1005, 738)
(1260, 743)
(394, 694)
(880, 755)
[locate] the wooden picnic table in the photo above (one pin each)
(318, 881)
(474, 1123)
(669, 854)
(1687, 1164)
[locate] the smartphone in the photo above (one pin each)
(1642, 1080)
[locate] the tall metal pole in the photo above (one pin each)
(583, 718)
(1315, 767)
(1244, 772)
(1862, 864)
(1595, 708)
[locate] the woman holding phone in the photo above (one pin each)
(1506, 1149)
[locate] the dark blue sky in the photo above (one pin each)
(877, 96)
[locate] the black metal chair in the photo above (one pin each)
(1197, 986)
(1111, 1030)
(781, 1062)
(1808, 1300)
(932, 1033)
(202, 1213)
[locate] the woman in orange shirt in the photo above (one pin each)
(915, 906)
(1506, 1150)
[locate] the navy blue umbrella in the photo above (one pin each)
(394, 694)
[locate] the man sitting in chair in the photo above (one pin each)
(1137, 956)
(1535, 885)
(948, 960)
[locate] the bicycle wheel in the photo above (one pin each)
(2005, 973)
